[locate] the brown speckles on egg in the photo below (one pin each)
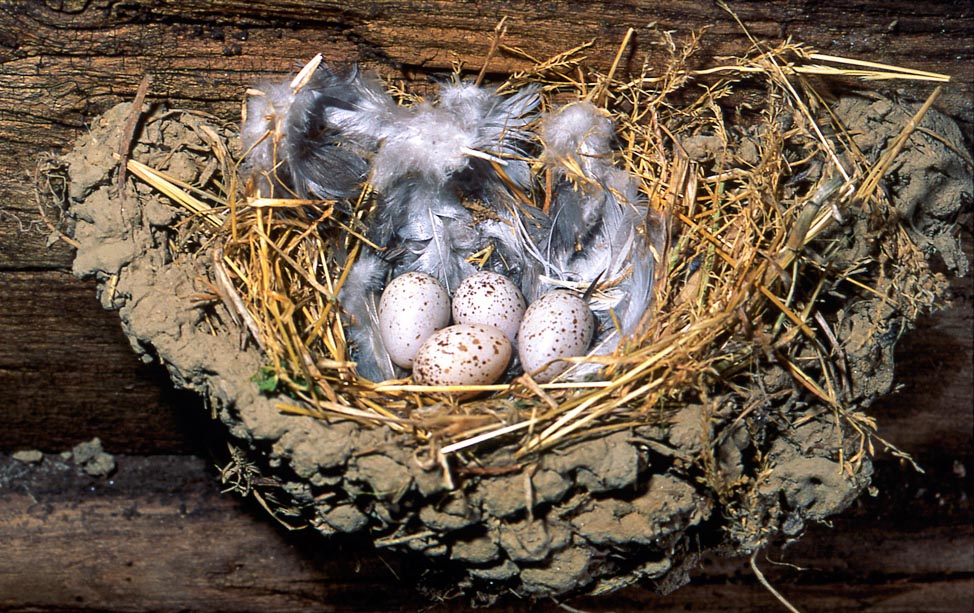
(556, 325)
(491, 299)
(463, 354)
(412, 307)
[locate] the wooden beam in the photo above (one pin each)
(157, 536)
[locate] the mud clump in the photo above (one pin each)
(89, 456)
(93, 459)
(28, 456)
(592, 515)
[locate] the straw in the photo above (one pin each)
(739, 279)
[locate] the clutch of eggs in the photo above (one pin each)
(490, 317)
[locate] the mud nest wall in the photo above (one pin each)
(613, 507)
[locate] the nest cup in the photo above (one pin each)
(732, 415)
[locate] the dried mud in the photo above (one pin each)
(590, 517)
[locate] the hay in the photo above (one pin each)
(741, 277)
(761, 206)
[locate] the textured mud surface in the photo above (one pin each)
(593, 516)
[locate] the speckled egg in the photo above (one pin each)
(559, 324)
(463, 354)
(412, 307)
(491, 299)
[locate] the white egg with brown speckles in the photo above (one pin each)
(491, 299)
(559, 324)
(412, 307)
(463, 354)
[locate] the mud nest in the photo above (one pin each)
(797, 231)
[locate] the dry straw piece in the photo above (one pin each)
(782, 263)
(739, 282)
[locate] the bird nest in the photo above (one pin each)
(780, 274)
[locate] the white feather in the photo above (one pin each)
(262, 130)
(359, 298)
(598, 227)
(427, 146)
(578, 131)
(438, 156)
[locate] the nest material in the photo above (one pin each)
(735, 415)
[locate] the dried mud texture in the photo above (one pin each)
(589, 517)
(931, 184)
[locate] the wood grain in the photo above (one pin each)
(158, 536)
(68, 371)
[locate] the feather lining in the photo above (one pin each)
(261, 133)
(439, 156)
(453, 177)
(598, 224)
(314, 142)
(359, 298)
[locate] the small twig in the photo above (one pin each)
(447, 474)
(598, 94)
(128, 136)
(275, 513)
(47, 222)
(486, 437)
(231, 300)
(393, 540)
(909, 72)
(565, 607)
(800, 569)
(961, 153)
(767, 586)
(500, 30)
(532, 385)
(304, 75)
(871, 182)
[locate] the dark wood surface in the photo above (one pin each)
(158, 536)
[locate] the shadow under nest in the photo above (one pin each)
(790, 235)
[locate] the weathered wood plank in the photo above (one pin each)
(69, 374)
(99, 545)
(158, 536)
(62, 63)
(193, 41)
